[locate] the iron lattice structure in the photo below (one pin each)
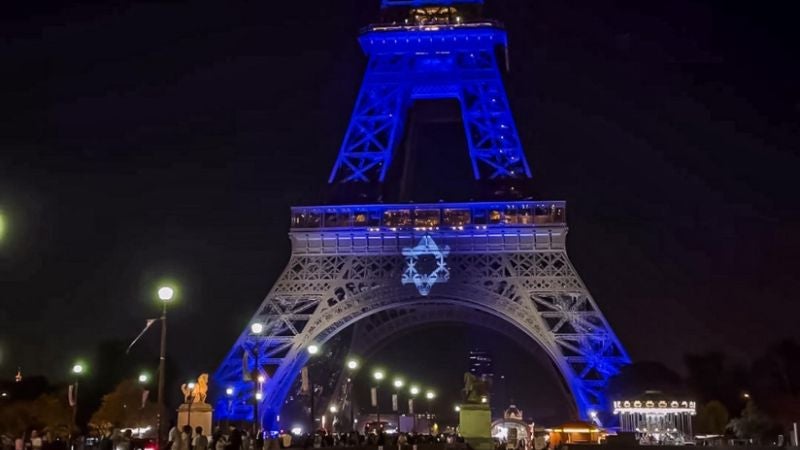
(506, 260)
(408, 63)
(368, 264)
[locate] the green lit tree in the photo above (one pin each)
(123, 407)
(712, 418)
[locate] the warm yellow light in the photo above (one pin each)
(430, 395)
(261, 379)
(165, 293)
(457, 408)
(414, 390)
(190, 385)
(143, 378)
(378, 375)
(333, 409)
(398, 383)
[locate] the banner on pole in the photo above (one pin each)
(304, 385)
(394, 402)
(71, 395)
(374, 396)
(147, 326)
(246, 376)
(411, 406)
(145, 394)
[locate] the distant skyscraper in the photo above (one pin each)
(480, 364)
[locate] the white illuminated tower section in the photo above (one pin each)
(385, 268)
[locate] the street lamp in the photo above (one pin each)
(312, 350)
(397, 383)
(77, 370)
(414, 391)
(143, 379)
(165, 294)
(256, 328)
(430, 395)
(352, 365)
(378, 375)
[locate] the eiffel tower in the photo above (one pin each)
(500, 263)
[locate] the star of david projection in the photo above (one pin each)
(425, 281)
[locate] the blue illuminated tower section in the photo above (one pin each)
(432, 50)
(500, 263)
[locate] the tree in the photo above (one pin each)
(124, 407)
(712, 418)
(754, 425)
(46, 413)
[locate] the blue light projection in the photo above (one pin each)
(425, 281)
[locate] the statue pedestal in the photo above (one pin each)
(196, 415)
(475, 425)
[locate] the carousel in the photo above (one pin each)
(656, 419)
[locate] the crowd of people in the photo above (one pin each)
(33, 441)
(236, 439)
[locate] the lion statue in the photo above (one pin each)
(198, 393)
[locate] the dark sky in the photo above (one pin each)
(168, 139)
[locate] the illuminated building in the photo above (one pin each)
(654, 415)
(498, 263)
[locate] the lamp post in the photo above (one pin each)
(414, 391)
(352, 365)
(165, 294)
(256, 328)
(229, 396)
(333, 409)
(398, 383)
(77, 371)
(312, 349)
(378, 375)
(430, 395)
(143, 379)
(191, 387)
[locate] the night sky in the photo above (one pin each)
(168, 139)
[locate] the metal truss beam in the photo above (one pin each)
(448, 62)
(537, 291)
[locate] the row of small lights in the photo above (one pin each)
(352, 364)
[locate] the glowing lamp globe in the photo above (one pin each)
(257, 328)
(398, 383)
(352, 364)
(143, 378)
(430, 395)
(333, 409)
(229, 391)
(414, 390)
(313, 349)
(165, 293)
(379, 375)
(77, 369)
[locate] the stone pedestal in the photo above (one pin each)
(196, 415)
(475, 425)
